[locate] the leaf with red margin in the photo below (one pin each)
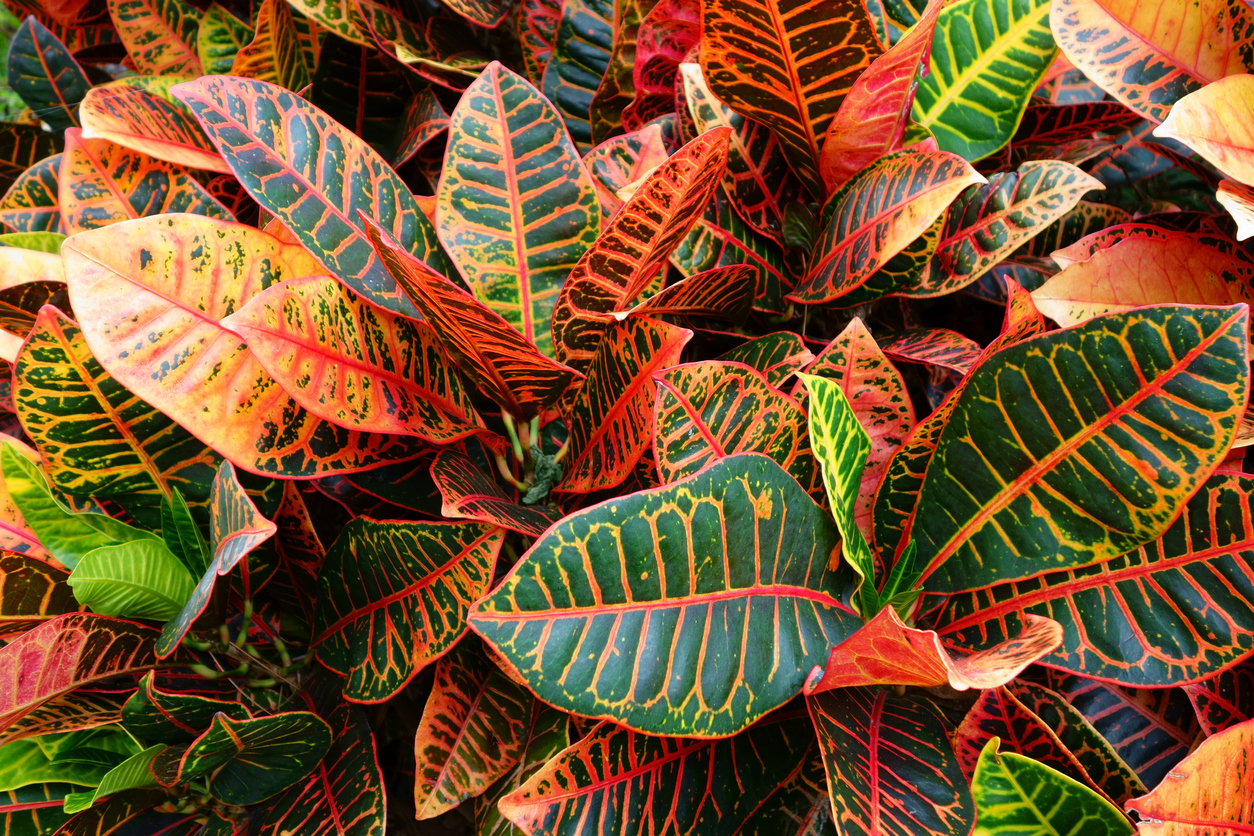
(1056, 124)
(344, 795)
(887, 652)
(21, 146)
(1103, 239)
(34, 809)
(634, 246)
(1139, 271)
(473, 730)
(1225, 699)
(470, 494)
(897, 498)
(393, 596)
(610, 418)
(621, 161)
(139, 113)
(537, 27)
(159, 35)
(788, 67)
(1148, 60)
(186, 273)
(131, 811)
(300, 554)
(488, 350)
(30, 204)
(43, 72)
(620, 781)
(32, 591)
(667, 33)
(710, 410)
(549, 734)
(1163, 594)
(355, 364)
(1210, 791)
(1083, 219)
(758, 179)
(274, 54)
(872, 119)
(515, 207)
(154, 716)
(877, 214)
(777, 356)
(424, 120)
(265, 135)
(68, 651)
(82, 708)
(236, 527)
(934, 346)
(1097, 484)
(615, 92)
(102, 183)
(879, 399)
(890, 768)
(1236, 198)
(655, 635)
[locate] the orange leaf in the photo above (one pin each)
(1239, 201)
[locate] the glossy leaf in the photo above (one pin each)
(139, 113)
(537, 28)
(159, 35)
(156, 716)
(263, 132)
(191, 272)
(611, 416)
(30, 204)
(393, 596)
(1223, 700)
(710, 410)
(548, 734)
(959, 538)
(353, 363)
(634, 246)
(877, 214)
(515, 207)
(504, 363)
(934, 346)
(1236, 198)
(1149, 61)
(139, 579)
(621, 161)
(362, 89)
(21, 146)
(44, 73)
(616, 90)
(581, 54)
(667, 33)
(722, 293)
(221, 35)
(32, 591)
(890, 768)
(574, 624)
(1055, 124)
(777, 356)
(986, 60)
(33, 810)
(274, 53)
(470, 494)
(754, 61)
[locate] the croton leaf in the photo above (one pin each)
(667, 34)
(1086, 500)
(221, 35)
(890, 767)
(344, 18)
(537, 28)
(156, 716)
(424, 120)
(34, 810)
(548, 734)
(872, 119)
(777, 356)
(159, 35)
(504, 363)
(580, 57)
(1139, 271)
(473, 730)
(21, 146)
(470, 494)
(1044, 124)
(139, 113)
(102, 183)
(622, 160)
(710, 410)
(95, 438)
(619, 780)
(615, 92)
(515, 206)
(83, 708)
(44, 73)
(1013, 793)
(610, 418)
(189, 272)
(31, 203)
(274, 53)
(394, 596)
(265, 134)
(236, 527)
(697, 566)
(934, 346)
(361, 88)
(354, 363)
(68, 651)
(1225, 699)
(753, 57)
(346, 788)
(32, 591)
(1148, 61)
(721, 293)
(131, 809)
(634, 246)
(1236, 198)
(877, 214)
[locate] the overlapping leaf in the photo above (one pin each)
(580, 57)
(21, 146)
(621, 161)
(160, 35)
(274, 53)
(667, 33)
(221, 35)
(44, 73)
(537, 27)
(1224, 700)
(30, 204)
(616, 91)
(32, 591)
(470, 494)
(777, 356)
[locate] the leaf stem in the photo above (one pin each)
(242, 638)
(512, 430)
(563, 450)
(507, 475)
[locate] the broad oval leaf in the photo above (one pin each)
(32, 591)
(265, 134)
(692, 569)
(788, 67)
(515, 206)
(31, 203)
(140, 579)
(44, 73)
(877, 214)
(159, 35)
(157, 716)
(189, 272)
(353, 363)
(394, 596)
(1096, 485)
(1147, 60)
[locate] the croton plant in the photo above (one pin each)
(704, 417)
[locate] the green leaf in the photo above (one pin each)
(34, 810)
(777, 356)
(548, 734)
(44, 73)
(82, 758)
(32, 591)
(987, 58)
(220, 36)
(132, 773)
(140, 579)
(153, 715)
(581, 55)
(30, 204)
(1085, 479)
(182, 535)
(66, 535)
(1015, 795)
(640, 609)
(44, 242)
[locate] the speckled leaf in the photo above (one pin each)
(159, 35)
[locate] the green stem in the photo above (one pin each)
(503, 467)
(512, 431)
(248, 621)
